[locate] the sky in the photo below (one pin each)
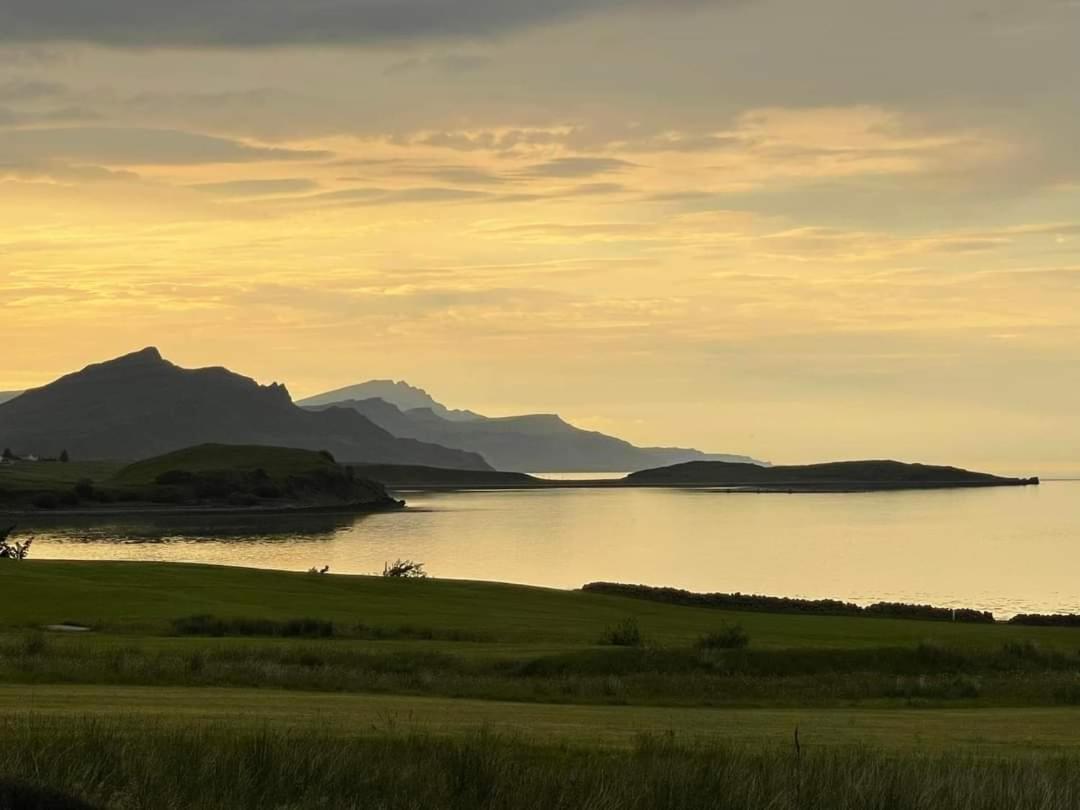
(799, 230)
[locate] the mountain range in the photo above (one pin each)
(530, 443)
(141, 405)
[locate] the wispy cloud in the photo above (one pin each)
(244, 23)
(135, 146)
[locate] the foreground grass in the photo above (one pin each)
(444, 694)
(1012, 732)
(157, 767)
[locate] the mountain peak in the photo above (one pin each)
(398, 393)
(148, 355)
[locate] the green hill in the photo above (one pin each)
(277, 462)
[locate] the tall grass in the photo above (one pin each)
(212, 768)
(1016, 675)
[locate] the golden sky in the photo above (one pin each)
(799, 230)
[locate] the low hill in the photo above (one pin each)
(141, 405)
(530, 443)
(277, 463)
(840, 475)
(207, 476)
(6, 396)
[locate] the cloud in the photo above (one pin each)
(488, 140)
(135, 146)
(254, 23)
(30, 90)
(383, 196)
(453, 63)
(63, 173)
(465, 174)
(258, 188)
(570, 167)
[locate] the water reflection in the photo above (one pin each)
(249, 528)
(1006, 550)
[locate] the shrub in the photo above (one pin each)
(625, 634)
(778, 604)
(404, 569)
(728, 637)
(207, 625)
(1045, 620)
(14, 551)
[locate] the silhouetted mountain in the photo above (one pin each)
(534, 443)
(839, 475)
(400, 394)
(8, 395)
(141, 405)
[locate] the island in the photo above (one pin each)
(838, 476)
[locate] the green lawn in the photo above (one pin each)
(144, 597)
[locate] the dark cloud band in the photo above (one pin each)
(253, 23)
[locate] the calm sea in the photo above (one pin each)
(1008, 550)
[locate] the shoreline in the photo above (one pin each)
(178, 511)
(844, 488)
(752, 489)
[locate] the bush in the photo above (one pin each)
(728, 637)
(207, 625)
(14, 551)
(625, 634)
(783, 604)
(404, 569)
(1045, 620)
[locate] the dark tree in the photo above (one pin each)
(8, 455)
(64, 457)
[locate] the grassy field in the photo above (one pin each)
(278, 463)
(142, 598)
(43, 476)
(995, 731)
(348, 670)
